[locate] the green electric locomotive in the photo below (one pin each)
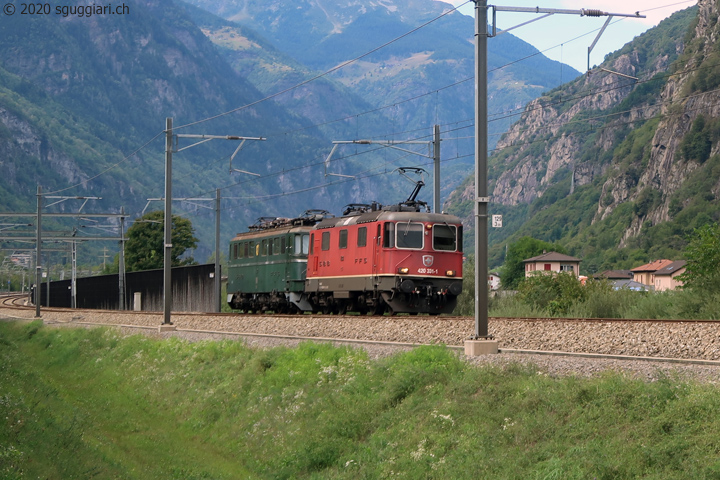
(267, 264)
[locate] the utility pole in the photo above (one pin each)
(481, 197)
(104, 257)
(217, 251)
(121, 261)
(480, 342)
(38, 252)
(167, 264)
(73, 276)
(437, 203)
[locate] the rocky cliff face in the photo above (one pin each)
(634, 140)
(666, 168)
(599, 91)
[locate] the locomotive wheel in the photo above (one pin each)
(378, 309)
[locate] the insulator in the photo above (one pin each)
(592, 13)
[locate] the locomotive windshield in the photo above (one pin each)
(409, 235)
(445, 238)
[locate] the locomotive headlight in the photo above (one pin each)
(450, 273)
(403, 270)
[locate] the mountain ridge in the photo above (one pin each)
(602, 169)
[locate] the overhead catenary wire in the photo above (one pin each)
(556, 124)
(459, 82)
(559, 124)
(434, 91)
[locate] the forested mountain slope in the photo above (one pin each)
(617, 170)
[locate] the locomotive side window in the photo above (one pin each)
(301, 244)
(445, 238)
(282, 245)
(325, 241)
(312, 242)
(343, 238)
(264, 248)
(236, 251)
(389, 236)
(409, 235)
(362, 237)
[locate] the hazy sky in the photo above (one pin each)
(557, 35)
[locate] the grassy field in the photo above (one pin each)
(78, 403)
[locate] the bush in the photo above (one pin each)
(554, 293)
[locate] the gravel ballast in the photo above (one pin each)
(679, 340)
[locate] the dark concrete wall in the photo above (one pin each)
(192, 290)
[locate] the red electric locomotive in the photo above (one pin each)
(394, 259)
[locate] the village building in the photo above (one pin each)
(666, 277)
(552, 262)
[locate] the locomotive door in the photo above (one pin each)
(313, 261)
(376, 257)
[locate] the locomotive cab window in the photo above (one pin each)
(343, 238)
(389, 235)
(301, 244)
(325, 241)
(362, 237)
(409, 235)
(445, 238)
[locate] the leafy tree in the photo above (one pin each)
(703, 257)
(144, 249)
(526, 247)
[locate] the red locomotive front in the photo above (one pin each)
(393, 259)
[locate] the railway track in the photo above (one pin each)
(689, 342)
(17, 301)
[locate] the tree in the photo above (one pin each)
(703, 259)
(526, 247)
(144, 249)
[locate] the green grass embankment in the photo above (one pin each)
(78, 403)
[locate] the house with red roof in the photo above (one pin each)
(645, 274)
(666, 277)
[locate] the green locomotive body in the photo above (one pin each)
(268, 264)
